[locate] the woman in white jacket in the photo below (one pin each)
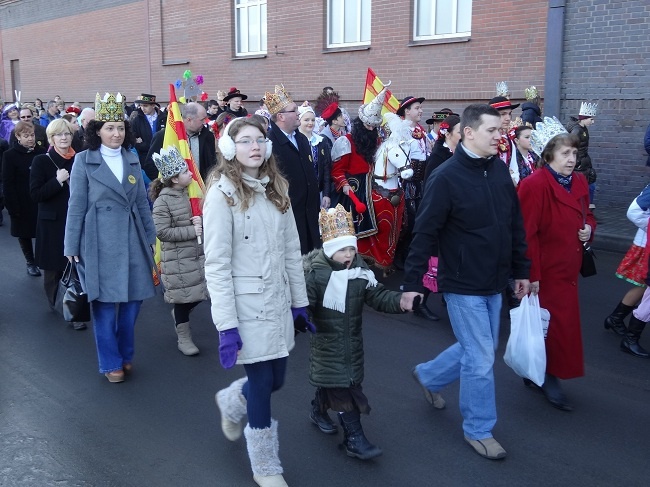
(634, 266)
(253, 268)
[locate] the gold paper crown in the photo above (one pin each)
(275, 102)
(502, 89)
(109, 109)
(588, 109)
(531, 93)
(335, 222)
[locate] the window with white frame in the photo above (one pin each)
(348, 23)
(439, 19)
(250, 27)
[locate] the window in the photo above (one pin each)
(348, 23)
(250, 27)
(438, 19)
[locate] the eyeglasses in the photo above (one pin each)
(25, 117)
(249, 142)
(295, 110)
(63, 134)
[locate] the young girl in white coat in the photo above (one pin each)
(253, 268)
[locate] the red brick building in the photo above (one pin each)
(450, 51)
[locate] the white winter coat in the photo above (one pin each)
(253, 268)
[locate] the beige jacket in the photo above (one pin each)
(182, 256)
(253, 268)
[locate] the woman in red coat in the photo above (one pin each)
(555, 208)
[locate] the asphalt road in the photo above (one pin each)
(63, 424)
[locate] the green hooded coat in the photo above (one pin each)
(336, 358)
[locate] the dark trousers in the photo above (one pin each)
(27, 247)
(182, 312)
(263, 379)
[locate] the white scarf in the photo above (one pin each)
(337, 287)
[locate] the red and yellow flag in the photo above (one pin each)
(176, 136)
(373, 87)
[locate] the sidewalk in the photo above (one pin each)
(614, 232)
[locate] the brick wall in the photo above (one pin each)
(606, 54)
(101, 52)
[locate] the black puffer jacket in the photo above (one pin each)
(336, 358)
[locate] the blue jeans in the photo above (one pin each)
(114, 325)
(592, 192)
(475, 321)
(263, 379)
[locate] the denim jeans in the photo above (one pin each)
(114, 325)
(263, 379)
(475, 321)
(592, 192)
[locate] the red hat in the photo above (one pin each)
(329, 111)
(73, 109)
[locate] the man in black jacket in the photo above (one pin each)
(146, 120)
(293, 154)
(201, 141)
(471, 211)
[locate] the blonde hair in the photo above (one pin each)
(277, 190)
(56, 127)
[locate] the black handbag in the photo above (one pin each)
(72, 301)
(588, 267)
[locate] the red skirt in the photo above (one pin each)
(379, 248)
(634, 266)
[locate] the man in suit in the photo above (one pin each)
(293, 154)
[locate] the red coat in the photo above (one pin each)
(552, 218)
(352, 163)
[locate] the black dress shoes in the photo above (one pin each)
(423, 312)
(554, 394)
(33, 270)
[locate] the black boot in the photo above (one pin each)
(615, 322)
(355, 442)
(630, 343)
(321, 419)
(423, 312)
(554, 393)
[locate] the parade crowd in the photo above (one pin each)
(302, 200)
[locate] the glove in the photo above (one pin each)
(229, 344)
(301, 321)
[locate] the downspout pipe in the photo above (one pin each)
(554, 51)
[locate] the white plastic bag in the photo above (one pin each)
(525, 351)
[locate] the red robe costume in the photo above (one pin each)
(552, 217)
(379, 228)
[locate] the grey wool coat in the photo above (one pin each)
(109, 226)
(182, 260)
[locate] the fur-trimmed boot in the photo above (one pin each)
(615, 321)
(232, 406)
(185, 343)
(263, 446)
(355, 442)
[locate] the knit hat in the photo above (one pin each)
(337, 230)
